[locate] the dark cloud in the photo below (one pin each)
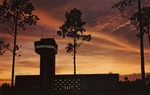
(91, 9)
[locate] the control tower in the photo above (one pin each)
(47, 49)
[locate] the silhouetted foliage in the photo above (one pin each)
(2, 50)
(134, 87)
(126, 79)
(6, 46)
(134, 18)
(145, 21)
(147, 79)
(122, 4)
(16, 14)
(73, 28)
(5, 89)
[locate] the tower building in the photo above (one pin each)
(50, 84)
(47, 49)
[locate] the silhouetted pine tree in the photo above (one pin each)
(16, 14)
(73, 28)
(137, 20)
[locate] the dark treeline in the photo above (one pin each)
(135, 87)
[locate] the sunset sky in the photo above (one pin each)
(113, 48)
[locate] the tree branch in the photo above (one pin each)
(18, 52)
(80, 44)
(6, 47)
(10, 33)
(11, 27)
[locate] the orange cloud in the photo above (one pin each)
(47, 20)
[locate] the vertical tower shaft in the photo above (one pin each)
(47, 49)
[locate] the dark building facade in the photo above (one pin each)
(96, 84)
(47, 81)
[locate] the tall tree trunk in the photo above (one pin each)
(148, 35)
(14, 48)
(148, 32)
(13, 62)
(141, 43)
(74, 54)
